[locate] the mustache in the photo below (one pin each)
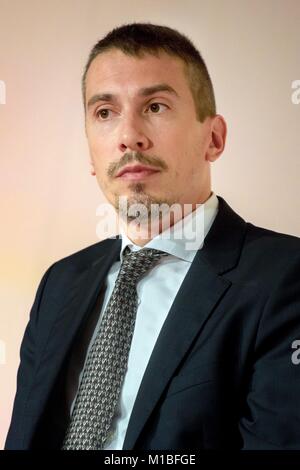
(136, 157)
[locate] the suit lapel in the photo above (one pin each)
(193, 304)
(200, 291)
(78, 303)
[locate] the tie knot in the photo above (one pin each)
(137, 263)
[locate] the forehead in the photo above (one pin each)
(113, 70)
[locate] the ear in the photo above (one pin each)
(218, 134)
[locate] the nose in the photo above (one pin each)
(132, 135)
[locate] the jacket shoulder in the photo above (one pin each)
(267, 257)
(84, 257)
(270, 240)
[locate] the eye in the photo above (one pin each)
(157, 108)
(103, 113)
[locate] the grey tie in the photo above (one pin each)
(106, 364)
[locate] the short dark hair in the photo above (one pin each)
(136, 39)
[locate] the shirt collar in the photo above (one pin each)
(185, 237)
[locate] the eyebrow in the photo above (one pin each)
(146, 91)
(156, 88)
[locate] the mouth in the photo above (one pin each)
(136, 172)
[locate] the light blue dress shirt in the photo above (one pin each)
(156, 293)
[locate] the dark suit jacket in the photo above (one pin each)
(221, 375)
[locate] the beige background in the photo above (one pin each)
(49, 200)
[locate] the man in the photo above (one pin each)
(153, 342)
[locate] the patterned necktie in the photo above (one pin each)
(107, 360)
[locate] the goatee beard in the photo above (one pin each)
(140, 206)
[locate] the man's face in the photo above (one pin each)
(140, 113)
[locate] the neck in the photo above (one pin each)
(141, 232)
